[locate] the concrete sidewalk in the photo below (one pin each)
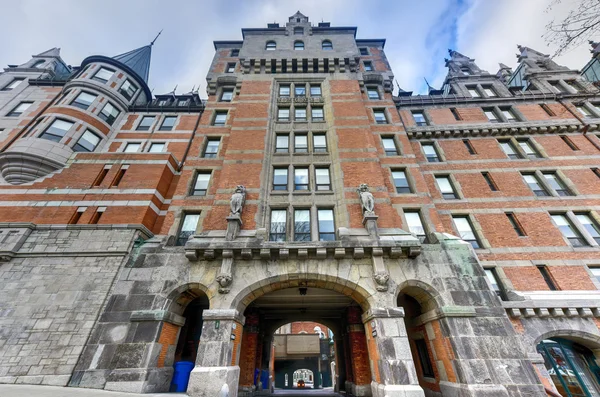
(54, 391)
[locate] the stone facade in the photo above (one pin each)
(141, 231)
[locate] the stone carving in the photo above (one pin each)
(366, 199)
(224, 281)
(237, 200)
(381, 280)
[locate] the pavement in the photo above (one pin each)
(55, 391)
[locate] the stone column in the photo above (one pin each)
(360, 357)
(392, 365)
(217, 363)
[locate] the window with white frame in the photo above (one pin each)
(557, 184)
(535, 185)
(84, 100)
(200, 187)
(300, 114)
(316, 114)
(132, 147)
(282, 144)
(373, 93)
(510, 150)
(227, 95)
(491, 115)
(284, 91)
(445, 185)
(527, 146)
(380, 116)
(389, 145)
(419, 118)
(301, 143)
(57, 130)
(465, 230)
(103, 75)
(283, 114)
(212, 148)
(220, 118)
(157, 147)
(319, 143)
(87, 143)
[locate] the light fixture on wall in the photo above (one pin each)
(303, 290)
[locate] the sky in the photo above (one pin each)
(418, 33)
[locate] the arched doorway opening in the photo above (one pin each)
(327, 328)
(189, 304)
(428, 347)
(304, 378)
(571, 366)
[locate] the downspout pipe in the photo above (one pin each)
(187, 149)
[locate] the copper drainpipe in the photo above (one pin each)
(187, 149)
(586, 126)
(26, 127)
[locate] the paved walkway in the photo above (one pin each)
(326, 392)
(53, 391)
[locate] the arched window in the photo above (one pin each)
(271, 45)
(299, 45)
(299, 30)
(326, 45)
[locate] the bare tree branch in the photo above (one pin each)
(580, 24)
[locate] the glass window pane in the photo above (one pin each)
(283, 114)
(300, 90)
(103, 75)
(322, 179)
(132, 147)
(474, 93)
(315, 90)
(300, 113)
(284, 90)
(87, 142)
(278, 225)
(301, 143)
(317, 113)
(389, 146)
(220, 118)
(145, 123)
(430, 152)
(589, 225)
(302, 225)
(301, 178)
(400, 182)
(84, 100)
(444, 184)
(188, 228)
(168, 123)
(282, 144)
(419, 118)
(319, 143)
(202, 181)
(280, 179)
(326, 225)
(463, 226)
(157, 148)
(415, 226)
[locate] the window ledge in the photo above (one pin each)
(324, 192)
(303, 192)
(280, 192)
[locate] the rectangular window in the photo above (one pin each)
(455, 113)
(465, 230)
(516, 224)
(446, 188)
(596, 272)
(109, 113)
(77, 215)
(84, 100)
(168, 123)
(589, 225)
(300, 114)
(103, 75)
(547, 277)
(235, 52)
(322, 180)
(97, 215)
(535, 185)
(87, 143)
(424, 360)
(119, 177)
(430, 152)
(558, 88)
(491, 115)
(302, 225)
(157, 148)
(490, 181)
(212, 148)
(596, 171)
(528, 149)
(380, 116)
(280, 179)
(317, 114)
(415, 225)
(419, 117)
(283, 114)
(489, 91)
(474, 92)
(373, 93)
(282, 144)
(509, 114)
(568, 230)
(389, 145)
(301, 143)
(569, 142)
(401, 182)
(128, 89)
(188, 228)
(584, 112)
(57, 130)
(227, 95)
(315, 91)
(300, 178)
(101, 175)
(284, 91)
(510, 151)
(368, 66)
(555, 183)
(230, 68)
(200, 187)
(469, 146)
(13, 84)
(547, 109)
(145, 124)
(363, 51)
(299, 91)
(19, 109)
(326, 225)
(132, 147)
(278, 225)
(319, 143)
(220, 118)
(494, 282)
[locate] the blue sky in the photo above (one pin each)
(418, 32)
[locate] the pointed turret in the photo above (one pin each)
(137, 60)
(529, 53)
(595, 48)
(461, 65)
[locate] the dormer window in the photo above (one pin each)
(465, 71)
(473, 92)
(298, 31)
(326, 45)
(163, 102)
(299, 45)
(271, 45)
(489, 91)
(182, 102)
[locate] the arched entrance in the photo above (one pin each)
(325, 327)
(571, 366)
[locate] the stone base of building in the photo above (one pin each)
(381, 390)
(214, 382)
(151, 380)
(450, 389)
(359, 390)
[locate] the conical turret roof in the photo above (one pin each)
(137, 60)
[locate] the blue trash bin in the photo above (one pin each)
(181, 376)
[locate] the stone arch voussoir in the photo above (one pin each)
(179, 297)
(587, 339)
(428, 297)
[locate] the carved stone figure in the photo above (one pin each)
(224, 281)
(366, 199)
(381, 280)
(237, 200)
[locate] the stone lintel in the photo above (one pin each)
(157, 315)
(382, 312)
(223, 314)
(446, 311)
